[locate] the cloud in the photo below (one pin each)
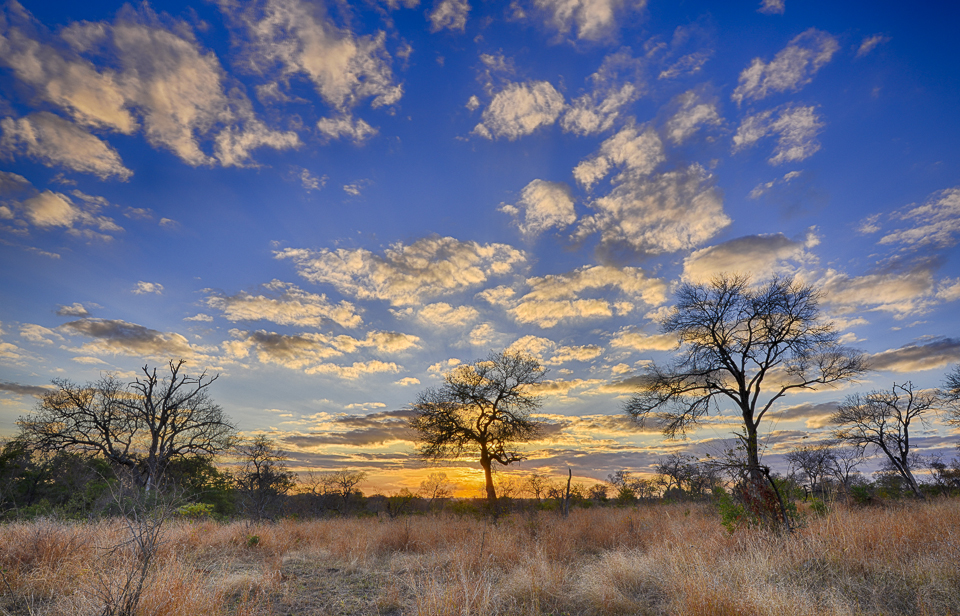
(760, 189)
(634, 149)
(690, 116)
(791, 69)
(310, 350)
(442, 314)
(297, 38)
(671, 211)
(543, 205)
(902, 292)
(484, 335)
(636, 340)
(116, 337)
(930, 355)
(558, 297)
(595, 112)
(407, 380)
(759, 256)
(772, 7)
(74, 310)
(54, 141)
(160, 76)
(520, 109)
(148, 287)
(870, 43)
(38, 334)
(593, 19)
(796, 129)
(935, 223)
(816, 415)
(444, 366)
(360, 431)
(449, 14)
(48, 209)
(345, 126)
(285, 304)
(309, 181)
(23, 390)
(406, 274)
(200, 318)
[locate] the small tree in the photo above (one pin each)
(481, 408)
(951, 395)
(746, 347)
(143, 425)
(263, 478)
(881, 420)
(815, 462)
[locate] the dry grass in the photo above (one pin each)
(663, 559)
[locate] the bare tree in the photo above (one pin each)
(143, 425)
(481, 408)
(881, 420)
(436, 487)
(815, 462)
(737, 342)
(951, 395)
(263, 478)
(844, 465)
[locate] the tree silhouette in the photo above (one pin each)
(481, 408)
(737, 343)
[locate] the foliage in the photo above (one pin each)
(481, 408)
(263, 478)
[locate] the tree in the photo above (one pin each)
(481, 408)
(951, 395)
(815, 462)
(263, 478)
(744, 346)
(881, 420)
(436, 487)
(143, 425)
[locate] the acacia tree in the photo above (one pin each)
(143, 425)
(481, 408)
(881, 420)
(263, 478)
(742, 346)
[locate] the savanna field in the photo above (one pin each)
(649, 559)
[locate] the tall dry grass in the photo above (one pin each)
(658, 559)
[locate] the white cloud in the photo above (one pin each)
(691, 115)
(50, 209)
(309, 351)
(637, 340)
(760, 189)
(637, 150)
(407, 380)
(543, 205)
(200, 318)
(520, 109)
(38, 334)
(759, 256)
(148, 287)
(671, 211)
(442, 314)
(74, 310)
(791, 69)
(355, 370)
(484, 335)
(772, 7)
(902, 293)
(449, 14)
(444, 366)
(300, 39)
(473, 103)
(593, 19)
(54, 141)
(161, 76)
(345, 126)
(112, 337)
(309, 181)
(595, 112)
(870, 43)
(406, 274)
(796, 129)
(560, 297)
(285, 304)
(935, 223)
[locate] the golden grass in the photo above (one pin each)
(658, 559)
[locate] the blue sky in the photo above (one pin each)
(330, 204)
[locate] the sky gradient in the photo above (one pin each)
(330, 204)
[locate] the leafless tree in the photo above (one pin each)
(815, 462)
(881, 420)
(951, 395)
(143, 425)
(743, 346)
(436, 487)
(263, 478)
(481, 408)
(844, 463)
(536, 485)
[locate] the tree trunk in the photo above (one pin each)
(753, 451)
(485, 463)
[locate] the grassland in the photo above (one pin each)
(656, 559)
